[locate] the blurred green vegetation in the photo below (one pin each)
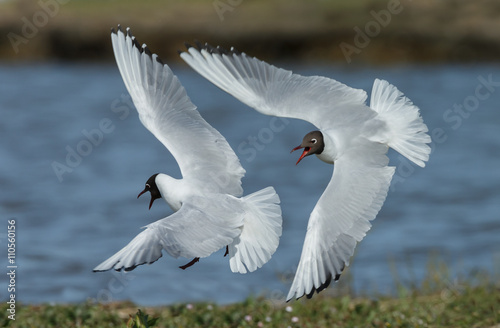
(440, 301)
(414, 31)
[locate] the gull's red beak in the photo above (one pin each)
(142, 192)
(152, 199)
(304, 153)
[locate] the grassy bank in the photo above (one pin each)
(394, 30)
(468, 308)
(438, 302)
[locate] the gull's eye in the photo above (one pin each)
(147, 185)
(313, 140)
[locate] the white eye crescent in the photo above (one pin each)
(147, 185)
(313, 140)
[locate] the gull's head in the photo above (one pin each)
(152, 188)
(312, 143)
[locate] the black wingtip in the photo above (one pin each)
(142, 49)
(146, 50)
(219, 50)
(323, 286)
(222, 50)
(199, 45)
(131, 268)
(126, 269)
(119, 29)
(136, 44)
(210, 48)
(235, 51)
(187, 45)
(159, 60)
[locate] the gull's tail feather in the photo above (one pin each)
(407, 131)
(261, 232)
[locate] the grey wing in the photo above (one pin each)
(167, 112)
(201, 227)
(342, 216)
(274, 91)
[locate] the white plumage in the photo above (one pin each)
(208, 214)
(356, 139)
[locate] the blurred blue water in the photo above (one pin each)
(68, 224)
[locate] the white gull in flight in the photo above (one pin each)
(351, 135)
(209, 212)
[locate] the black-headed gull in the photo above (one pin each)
(208, 213)
(352, 135)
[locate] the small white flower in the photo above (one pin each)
(288, 308)
(189, 306)
(295, 319)
(268, 319)
(248, 317)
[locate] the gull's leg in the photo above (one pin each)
(184, 267)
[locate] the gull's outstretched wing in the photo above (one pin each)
(342, 216)
(203, 154)
(274, 91)
(199, 228)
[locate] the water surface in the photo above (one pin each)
(70, 219)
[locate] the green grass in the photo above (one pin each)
(471, 307)
(438, 302)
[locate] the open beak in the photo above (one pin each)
(152, 199)
(304, 153)
(142, 192)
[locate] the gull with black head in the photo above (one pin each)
(351, 135)
(312, 143)
(152, 188)
(209, 212)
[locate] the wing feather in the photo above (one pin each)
(274, 91)
(203, 154)
(361, 177)
(199, 228)
(342, 216)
